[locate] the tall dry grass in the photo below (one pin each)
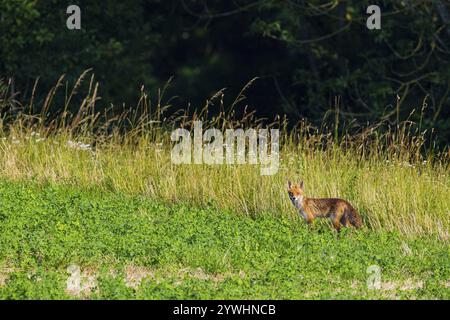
(392, 175)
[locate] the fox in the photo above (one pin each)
(339, 211)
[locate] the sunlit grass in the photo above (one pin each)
(394, 181)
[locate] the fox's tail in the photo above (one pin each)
(354, 217)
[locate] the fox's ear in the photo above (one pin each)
(301, 184)
(289, 184)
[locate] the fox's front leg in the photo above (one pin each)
(308, 218)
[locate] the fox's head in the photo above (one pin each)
(295, 192)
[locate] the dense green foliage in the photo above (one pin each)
(172, 251)
(305, 54)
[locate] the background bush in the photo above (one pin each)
(310, 56)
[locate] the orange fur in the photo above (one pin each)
(339, 211)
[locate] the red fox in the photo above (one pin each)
(340, 211)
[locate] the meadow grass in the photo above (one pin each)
(391, 174)
(410, 197)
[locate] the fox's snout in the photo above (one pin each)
(296, 200)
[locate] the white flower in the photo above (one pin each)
(407, 164)
(79, 145)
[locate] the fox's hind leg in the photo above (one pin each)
(338, 218)
(345, 220)
(336, 224)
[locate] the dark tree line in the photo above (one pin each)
(308, 56)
